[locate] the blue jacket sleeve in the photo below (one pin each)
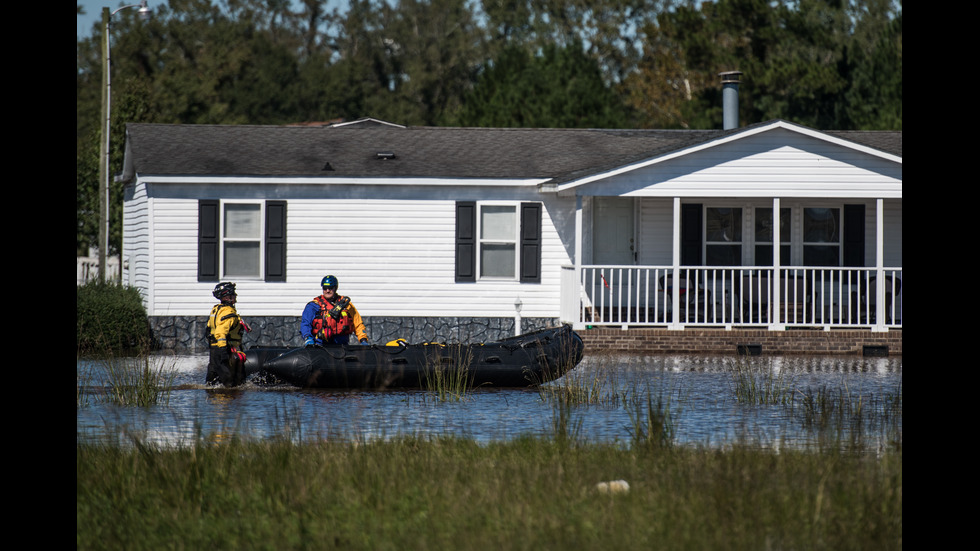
(310, 313)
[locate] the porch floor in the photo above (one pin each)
(721, 341)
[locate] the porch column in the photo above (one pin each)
(578, 290)
(675, 297)
(578, 237)
(879, 325)
(774, 299)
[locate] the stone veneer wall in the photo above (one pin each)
(720, 341)
(185, 334)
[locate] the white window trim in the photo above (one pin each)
(222, 239)
(480, 241)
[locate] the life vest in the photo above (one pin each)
(234, 335)
(325, 326)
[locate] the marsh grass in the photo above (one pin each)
(141, 380)
(446, 373)
(452, 493)
(652, 424)
(759, 382)
(838, 415)
(595, 384)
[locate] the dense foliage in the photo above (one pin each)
(110, 318)
(828, 64)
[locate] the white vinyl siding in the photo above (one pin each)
(393, 257)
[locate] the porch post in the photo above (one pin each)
(675, 297)
(578, 237)
(879, 325)
(578, 290)
(774, 301)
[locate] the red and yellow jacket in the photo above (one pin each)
(318, 323)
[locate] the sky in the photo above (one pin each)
(93, 12)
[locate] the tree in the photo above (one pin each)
(794, 56)
(560, 88)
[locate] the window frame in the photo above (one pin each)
(513, 241)
(224, 240)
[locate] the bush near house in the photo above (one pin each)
(110, 318)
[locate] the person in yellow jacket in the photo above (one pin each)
(225, 327)
(331, 318)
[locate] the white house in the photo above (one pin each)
(589, 227)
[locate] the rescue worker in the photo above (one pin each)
(331, 318)
(224, 333)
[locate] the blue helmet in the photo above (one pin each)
(329, 282)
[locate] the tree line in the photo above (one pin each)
(827, 64)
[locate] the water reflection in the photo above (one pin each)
(700, 393)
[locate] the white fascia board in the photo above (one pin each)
(720, 141)
(301, 180)
(818, 192)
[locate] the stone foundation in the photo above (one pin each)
(185, 335)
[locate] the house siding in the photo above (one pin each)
(394, 257)
(138, 245)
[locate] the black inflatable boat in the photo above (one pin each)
(522, 361)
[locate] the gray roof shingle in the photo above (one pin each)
(424, 152)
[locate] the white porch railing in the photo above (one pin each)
(87, 268)
(792, 296)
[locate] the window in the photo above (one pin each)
(498, 241)
(241, 240)
(809, 236)
(723, 236)
(821, 237)
(763, 236)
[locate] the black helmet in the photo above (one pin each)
(329, 282)
(224, 290)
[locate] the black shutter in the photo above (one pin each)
(530, 243)
(853, 235)
(691, 228)
(275, 241)
(465, 241)
(207, 240)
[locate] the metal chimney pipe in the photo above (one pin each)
(729, 98)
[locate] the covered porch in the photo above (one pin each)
(776, 296)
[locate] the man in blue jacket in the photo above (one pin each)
(331, 318)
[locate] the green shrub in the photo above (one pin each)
(110, 318)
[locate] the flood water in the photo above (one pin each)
(699, 393)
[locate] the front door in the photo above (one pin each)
(613, 244)
(613, 235)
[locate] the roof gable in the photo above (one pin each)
(749, 133)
